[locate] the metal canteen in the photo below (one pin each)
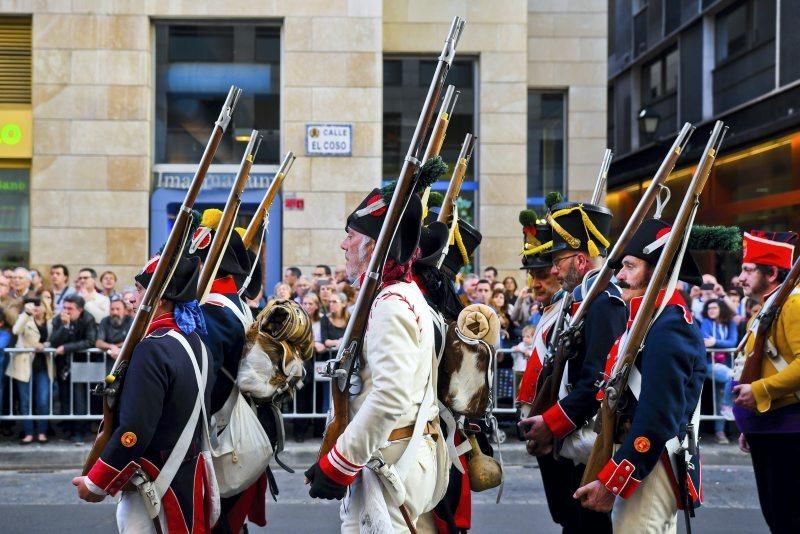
(484, 471)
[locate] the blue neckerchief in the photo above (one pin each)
(189, 317)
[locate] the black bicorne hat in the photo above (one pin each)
(368, 219)
(235, 260)
(580, 226)
(468, 236)
(648, 236)
(182, 286)
(537, 241)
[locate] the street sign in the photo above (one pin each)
(329, 139)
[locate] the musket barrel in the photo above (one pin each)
(602, 177)
(260, 214)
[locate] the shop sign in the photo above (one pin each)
(213, 180)
(329, 139)
(16, 127)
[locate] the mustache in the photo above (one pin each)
(623, 285)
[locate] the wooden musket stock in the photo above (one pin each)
(342, 367)
(161, 277)
(457, 179)
(228, 220)
(254, 233)
(603, 445)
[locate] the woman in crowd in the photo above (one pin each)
(283, 291)
(33, 372)
(311, 305)
(505, 362)
(108, 283)
(719, 332)
(332, 325)
(510, 285)
(304, 397)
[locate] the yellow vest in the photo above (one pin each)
(777, 389)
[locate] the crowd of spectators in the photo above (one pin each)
(58, 319)
(51, 324)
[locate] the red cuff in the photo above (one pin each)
(618, 478)
(558, 421)
(110, 479)
(338, 468)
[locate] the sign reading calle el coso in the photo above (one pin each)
(16, 131)
(329, 139)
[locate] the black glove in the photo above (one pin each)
(323, 487)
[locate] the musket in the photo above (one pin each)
(550, 378)
(223, 232)
(442, 122)
(254, 229)
(161, 277)
(343, 366)
(603, 445)
(448, 208)
(763, 325)
(602, 177)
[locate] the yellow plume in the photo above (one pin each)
(211, 218)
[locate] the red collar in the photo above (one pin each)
(224, 286)
(420, 284)
(165, 320)
(674, 299)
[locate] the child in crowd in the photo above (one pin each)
(522, 351)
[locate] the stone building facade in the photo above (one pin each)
(94, 115)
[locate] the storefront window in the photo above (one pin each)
(546, 144)
(405, 87)
(196, 64)
(14, 217)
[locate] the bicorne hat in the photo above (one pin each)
(182, 286)
(580, 226)
(235, 260)
(647, 244)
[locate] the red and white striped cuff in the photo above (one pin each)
(338, 468)
(109, 478)
(558, 421)
(618, 478)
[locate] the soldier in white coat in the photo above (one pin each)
(393, 389)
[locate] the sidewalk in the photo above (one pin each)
(65, 455)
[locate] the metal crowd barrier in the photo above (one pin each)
(90, 367)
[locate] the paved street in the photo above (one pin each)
(42, 501)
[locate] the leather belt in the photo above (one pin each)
(405, 432)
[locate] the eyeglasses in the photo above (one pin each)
(557, 262)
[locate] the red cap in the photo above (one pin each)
(763, 251)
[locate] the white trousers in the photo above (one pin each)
(651, 509)
(132, 516)
(420, 486)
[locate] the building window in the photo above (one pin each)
(14, 216)
(196, 64)
(660, 77)
(744, 27)
(745, 53)
(546, 144)
(406, 81)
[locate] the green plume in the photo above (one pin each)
(718, 238)
(552, 198)
(435, 199)
(430, 172)
(528, 218)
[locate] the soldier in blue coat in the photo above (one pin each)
(644, 481)
(578, 246)
(227, 318)
(158, 396)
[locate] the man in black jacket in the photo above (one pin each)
(579, 243)
(74, 330)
